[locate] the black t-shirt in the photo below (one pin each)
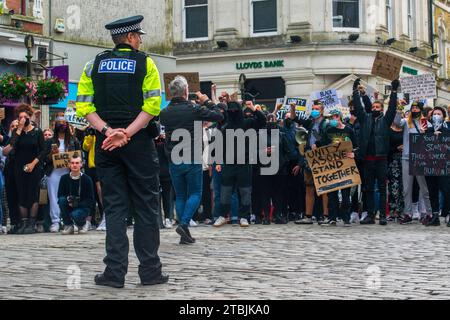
(336, 135)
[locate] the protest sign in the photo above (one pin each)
(329, 98)
(429, 155)
(62, 159)
(300, 109)
(71, 116)
(331, 170)
(387, 66)
(419, 87)
(193, 79)
(2, 113)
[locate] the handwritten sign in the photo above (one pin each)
(62, 159)
(419, 87)
(429, 155)
(193, 79)
(387, 66)
(329, 98)
(2, 113)
(71, 116)
(300, 109)
(331, 170)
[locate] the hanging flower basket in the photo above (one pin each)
(15, 88)
(50, 91)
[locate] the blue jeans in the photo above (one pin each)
(187, 180)
(70, 215)
(217, 185)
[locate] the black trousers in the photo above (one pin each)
(167, 197)
(275, 193)
(130, 175)
(257, 193)
(436, 184)
(375, 170)
(236, 176)
(11, 194)
(296, 193)
(333, 205)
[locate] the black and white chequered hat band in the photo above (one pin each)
(135, 27)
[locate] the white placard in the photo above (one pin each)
(71, 116)
(419, 87)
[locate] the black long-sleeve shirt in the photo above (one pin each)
(82, 188)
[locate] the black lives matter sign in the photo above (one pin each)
(331, 169)
(429, 154)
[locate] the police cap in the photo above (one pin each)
(122, 26)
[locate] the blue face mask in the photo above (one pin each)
(315, 114)
(334, 123)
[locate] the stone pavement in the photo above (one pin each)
(261, 262)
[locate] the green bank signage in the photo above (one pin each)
(260, 65)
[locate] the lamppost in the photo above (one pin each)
(242, 80)
(29, 44)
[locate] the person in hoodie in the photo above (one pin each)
(374, 147)
(275, 186)
(236, 175)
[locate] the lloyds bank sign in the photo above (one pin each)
(256, 65)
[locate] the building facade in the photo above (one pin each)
(72, 32)
(441, 36)
(295, 47)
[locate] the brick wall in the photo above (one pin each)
(15, 5)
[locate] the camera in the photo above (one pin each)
(73, 201)
(192, 97)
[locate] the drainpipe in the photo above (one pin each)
(431, 19)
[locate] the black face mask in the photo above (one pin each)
(352, 112)
(376, 114)
(416, 114)
(27, 123)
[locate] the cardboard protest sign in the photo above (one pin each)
(71, 116)
(419, 87)
(2, 113)
(429, 155)
(331, 170)
(62, 159)
(329, 98)
(300, 109)
(193, 79)
(387, 66)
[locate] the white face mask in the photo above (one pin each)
(438, 119)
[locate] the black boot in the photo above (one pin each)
(30, 228)
(22, 226)
(383, 220)
(183, 231)
(370, 219)
(280, 219)
(434, 221)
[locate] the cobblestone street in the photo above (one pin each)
(262, 262)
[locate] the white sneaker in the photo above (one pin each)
(85, 228)
(220, 222)
(102, 226)
(364, 215)
(244, 223)
(193, 224)
(54, 228)
(40, 228)
(354, 218)
(68, 230)
(168, 223)
(2, 230)
(252, 219)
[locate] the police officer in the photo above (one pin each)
(119, 93)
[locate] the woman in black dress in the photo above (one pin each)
(29, 150)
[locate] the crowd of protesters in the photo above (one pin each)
(36, 197)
